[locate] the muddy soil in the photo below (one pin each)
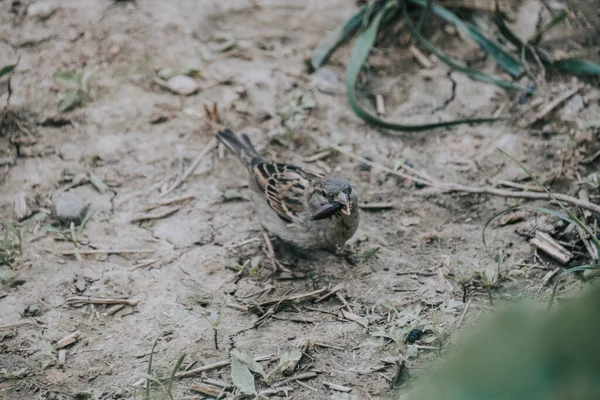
(184, 264)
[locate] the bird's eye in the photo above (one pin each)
(348, 190)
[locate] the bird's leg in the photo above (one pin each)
(345, 253)
(271, 254)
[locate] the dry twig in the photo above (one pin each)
(423, 178)
(160, 215)
(107, 251)
(170, 201)
(211, 145)
(97, 300)
(216, 365)
(553, 104)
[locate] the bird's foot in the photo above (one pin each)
(278, 266)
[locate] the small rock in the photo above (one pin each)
(41, 9)
(21, 210)
(365, 166)
(573, 106)
(10, 161)
(182, 84)
(68, 207)
(80, 285)
(327, 81)
(166, 73)
(33, 310)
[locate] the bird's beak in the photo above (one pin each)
(342, 198)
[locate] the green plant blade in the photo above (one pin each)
(67, 77)
(577, 67)
(172, 377)
(505, 59)
(562, 275)
(359, 55)
(71, 100)
(555, 21)
(473, 74)
(332, 41)
(149, 371)
(7, 69)
(520, 208)
(87, 74)
(572, 216)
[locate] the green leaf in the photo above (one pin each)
(457, 65)
(577, 67)
(71, 100)
(519, 208)
(331, 42)
(572, 216)
(242, 377)
(247, 359)
(98, 183)
(67, 77)
(149, 371)
(358, 56)
(505, 59)
(88, 215)
(7, 69)
(553, 22)
(52, 229)
(88, 71)
(172, 377)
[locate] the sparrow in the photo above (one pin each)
(300, 207)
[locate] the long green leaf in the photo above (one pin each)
(455, 64)
(572, 216)
(7, 69)
(555, 21)
(562, 275)
(519, 208)
(570, 65)
(331, 42)
(577, 67)
(149, 371)
(172, 377)
(359, 55)
(505, 59)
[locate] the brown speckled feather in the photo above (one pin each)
(284, 186)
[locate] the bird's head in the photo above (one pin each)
(333, 195)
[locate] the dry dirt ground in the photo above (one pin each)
(138, 137)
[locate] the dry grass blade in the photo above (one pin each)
(456, 187)
(216, 365)
(211, 145)
(95, 300)
(555, 103)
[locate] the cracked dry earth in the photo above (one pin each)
(196, 251)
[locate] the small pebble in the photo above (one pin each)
(41, 9)
(417, 184)
(327, 81)
(414, 335)
(68, 207)
(182, 84)
(365, 166)
(166, 73)
(33, 310)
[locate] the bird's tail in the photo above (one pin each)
(242, 148)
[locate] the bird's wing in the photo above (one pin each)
(284, 187)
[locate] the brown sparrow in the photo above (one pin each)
(303, 208)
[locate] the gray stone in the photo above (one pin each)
(182, 84)
(327, 81)
(68, 207)
(41, 9)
